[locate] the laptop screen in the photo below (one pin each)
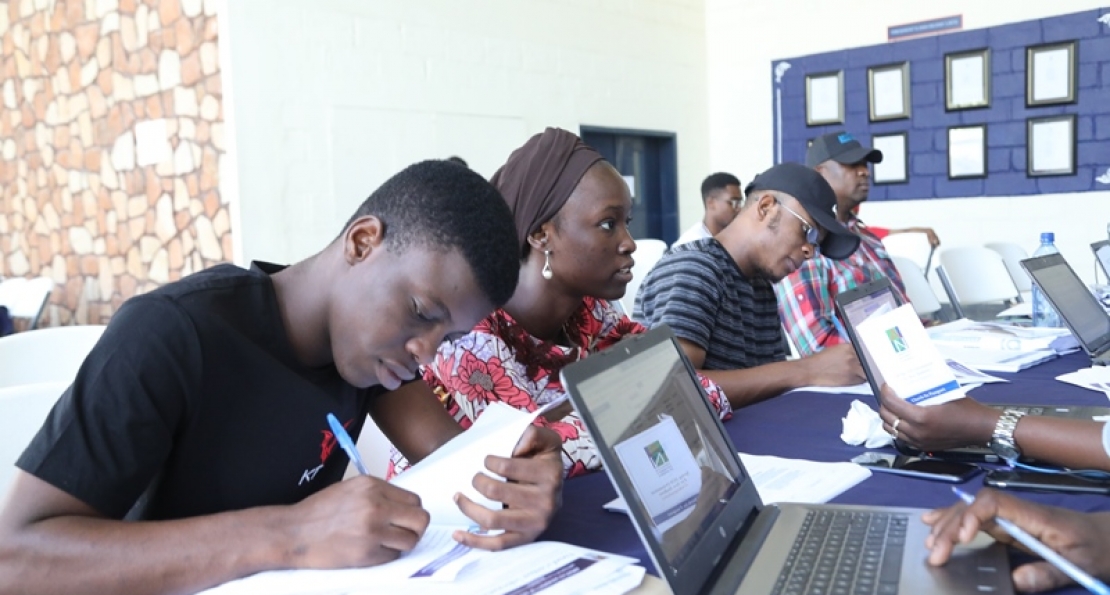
(650, 413)
(1102, 254)
(1072, 300)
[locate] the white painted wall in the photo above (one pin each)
(743, 38)
(331, 97)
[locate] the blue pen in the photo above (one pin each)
(1077, 574)
(348, 445)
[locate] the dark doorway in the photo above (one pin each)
(649, 161)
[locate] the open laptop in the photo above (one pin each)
(697, 511)
(876, 297)
(1077, 307)
(1101, 249)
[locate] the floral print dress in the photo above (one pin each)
(500, 361)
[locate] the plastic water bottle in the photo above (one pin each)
(1043, 312)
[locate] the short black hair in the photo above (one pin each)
(717, 181)
(458, 160)
(440, 205)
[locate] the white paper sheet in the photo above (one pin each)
(824, 99)
(1050, 74)
(965, 152)
(451, 468)
(779, 479)
(1052, 146)
(967, 81)
(893, 166)
(907, 358)
(888, 93)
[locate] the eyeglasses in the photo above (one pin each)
(809, 231)
(735, 203)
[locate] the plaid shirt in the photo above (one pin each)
(806, 295)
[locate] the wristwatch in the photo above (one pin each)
(1002, 441)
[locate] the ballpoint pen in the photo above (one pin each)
(345, 442)
(1077, 574)
(840, 330)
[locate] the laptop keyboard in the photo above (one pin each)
(839, 552)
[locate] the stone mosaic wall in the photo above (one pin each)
(111, 135)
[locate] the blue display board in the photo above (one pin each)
(927, 128)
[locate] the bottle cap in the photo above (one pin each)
(1048, 237)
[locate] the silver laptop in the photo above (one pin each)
(860, 303)
(1077, 307)
(1101, 249)
(697, 510)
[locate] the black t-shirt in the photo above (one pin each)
(193, 403)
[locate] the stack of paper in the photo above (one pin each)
(996, 360)
(439, 564)
(998, 336)
(546, 567)
(1095, 378)
(791, 480)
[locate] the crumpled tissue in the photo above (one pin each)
(863, 425)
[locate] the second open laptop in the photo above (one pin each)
(697, 511)
(860, 303)
(1076, 305)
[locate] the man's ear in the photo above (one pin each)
(763, 205)
(362, 237)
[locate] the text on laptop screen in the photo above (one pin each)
(880, 301)
(647, 409)
(1075, 303)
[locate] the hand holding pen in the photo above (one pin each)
(1073, 545)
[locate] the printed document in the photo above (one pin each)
(907, 359)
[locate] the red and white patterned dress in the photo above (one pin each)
(500, 361)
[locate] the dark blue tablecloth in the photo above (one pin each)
(807, 425)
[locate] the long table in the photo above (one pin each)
(807, 425)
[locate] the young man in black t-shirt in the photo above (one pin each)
(203, 408)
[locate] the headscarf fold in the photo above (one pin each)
(540, 176)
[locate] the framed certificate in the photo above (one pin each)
(967, 151)
(892, 170)
(889, 91)
(1050, 74)
(1050, 146)
(825, 98)
(967, 80)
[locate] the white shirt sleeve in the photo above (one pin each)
(1106, 438)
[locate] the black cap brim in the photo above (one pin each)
(839, 242)
(859, 155)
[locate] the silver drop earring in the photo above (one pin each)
(546, 272)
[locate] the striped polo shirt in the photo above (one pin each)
(698, 290)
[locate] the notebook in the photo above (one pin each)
(861, 302)
(697, 511)
(1077, 307)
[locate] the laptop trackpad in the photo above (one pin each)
(979, 567)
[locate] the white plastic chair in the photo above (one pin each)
(921, 295)
(978, 276)
(26, 298)
(1012, 255)
(648, 252)
(912, 246)
(46, 355)
(23, 408)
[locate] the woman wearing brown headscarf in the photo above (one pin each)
(572, 210)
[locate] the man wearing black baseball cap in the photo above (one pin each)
(806, 295)
(717, 295)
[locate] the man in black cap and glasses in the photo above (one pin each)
(806, 296)
(716, 293)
